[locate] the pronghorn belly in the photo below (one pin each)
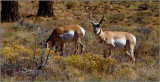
(68, 36)
(119, 43)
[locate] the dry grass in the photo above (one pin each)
(19, 40)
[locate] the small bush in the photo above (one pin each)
(143, 6)
(136, 18)
(154, 7)
(15, 28)
(55, 17)
(91, 63)
(26, 25)
(143, 30)
(127, 4)
(70, 4)
(145, 13)
(148, 6)
(12, 53)
(117, 7)
(7, 34)
(156, 13)
(116, 17)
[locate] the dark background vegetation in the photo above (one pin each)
(139, 18)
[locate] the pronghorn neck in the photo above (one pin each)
(100, 33)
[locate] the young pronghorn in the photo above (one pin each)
(114, 40)
(67, 33)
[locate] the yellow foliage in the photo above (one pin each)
(90, 62)
(11, 54)
(46, 51)
(6, 52)
(22, 49)
(56, 57)
(73, 60)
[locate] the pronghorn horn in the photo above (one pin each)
(91, 19)
(101, 19)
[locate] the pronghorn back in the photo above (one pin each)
(64, 29)
(68, 31)
(118, 34)
(116, 38)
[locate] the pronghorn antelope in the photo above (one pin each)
(67, 33)
(114, 39)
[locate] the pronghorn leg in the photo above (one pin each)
(56, 49)
(76, 47)
(105, 53)
(130, 52)
(81, 45)
(61, 48)
(110, 52)
(76, 42)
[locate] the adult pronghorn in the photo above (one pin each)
(114, 39)
(67, 33)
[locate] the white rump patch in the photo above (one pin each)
(83, 31)
(134, 38)
(68, 36)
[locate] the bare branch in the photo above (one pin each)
(43, 55)
(43, 61)
(35, 45)
(36, 62)
(48, 54)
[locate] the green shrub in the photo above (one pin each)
(90, 63)
(143, 30)
(148, 6)
(143, 6)
(7, 34)
(126, 4)
(136, 18)
(55, 17)
(144, 13)
(70, 4)
(154, 7)
(116, 17)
